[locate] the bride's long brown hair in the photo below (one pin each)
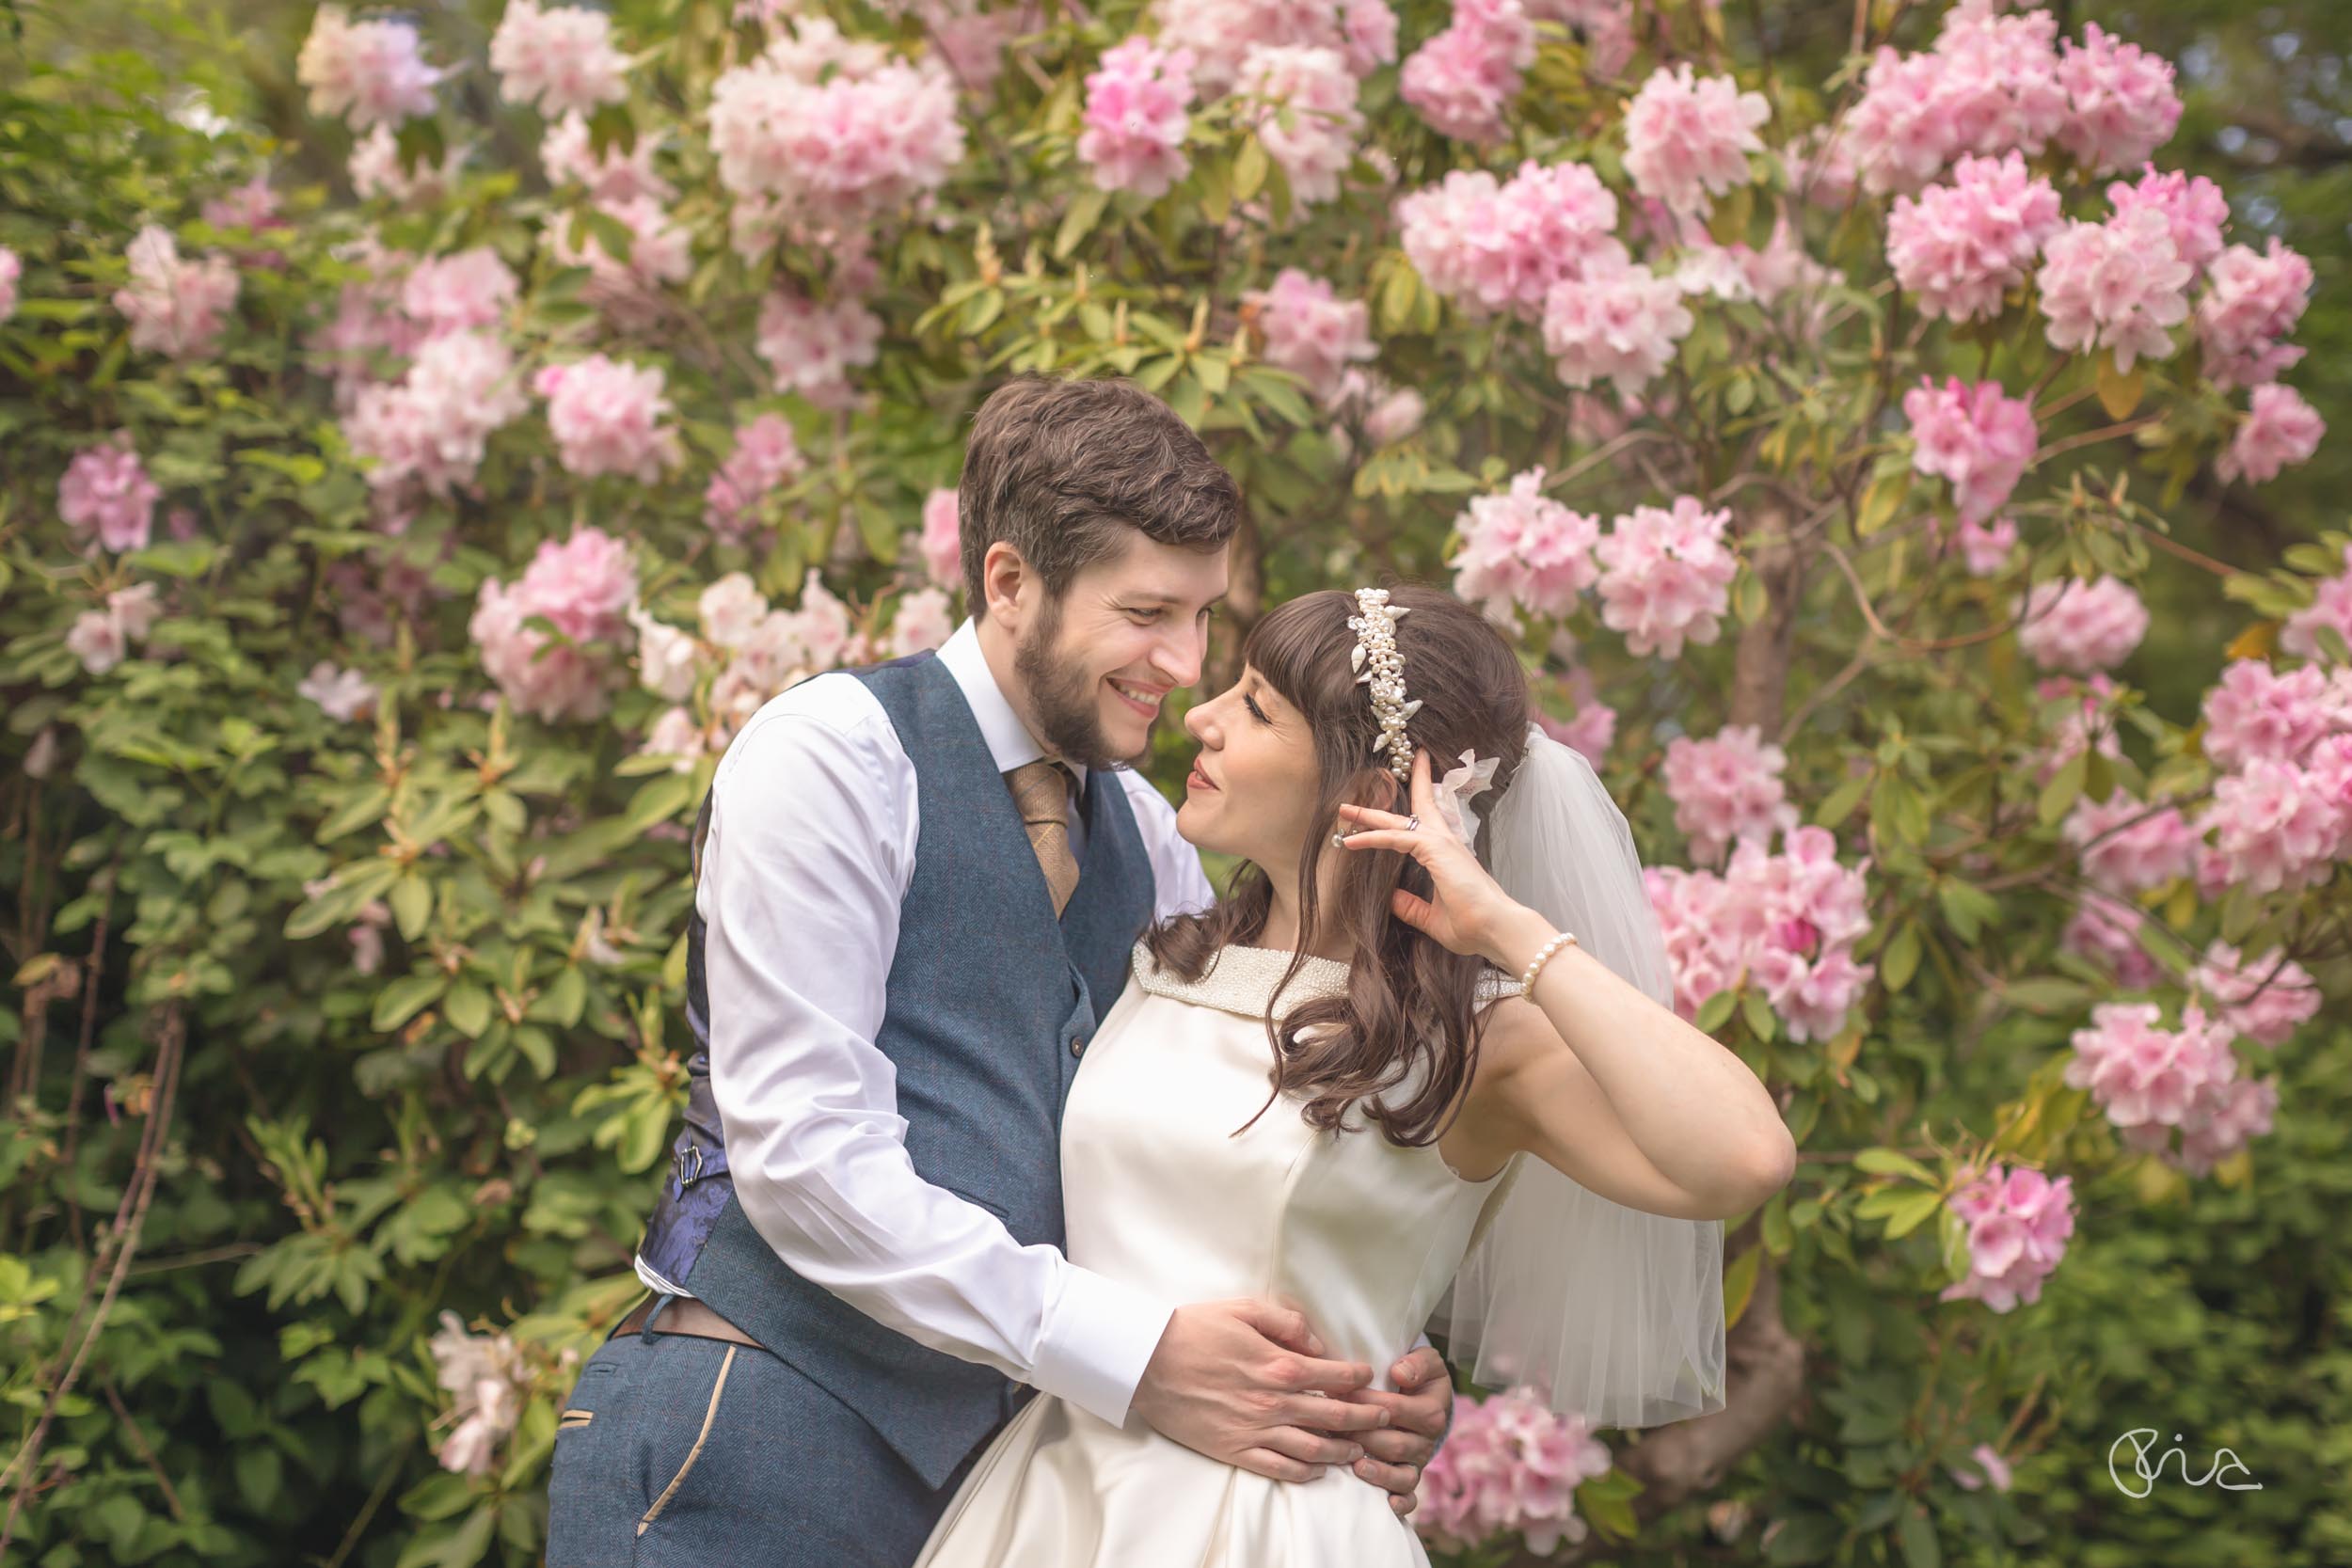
(1410, 1001)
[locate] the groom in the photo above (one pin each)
(917, 884)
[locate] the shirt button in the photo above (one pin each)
(1077, 1045)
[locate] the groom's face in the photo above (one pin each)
(1096, 662)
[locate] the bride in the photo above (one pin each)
(1419, 1061)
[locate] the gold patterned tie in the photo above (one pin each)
(1040, 790)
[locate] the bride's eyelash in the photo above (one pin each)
(1251, 704)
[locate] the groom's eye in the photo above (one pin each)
(1146, 615)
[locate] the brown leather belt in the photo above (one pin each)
(687, 1316)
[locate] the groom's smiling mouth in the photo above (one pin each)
(1145, 700)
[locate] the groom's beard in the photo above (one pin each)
(1062, 699)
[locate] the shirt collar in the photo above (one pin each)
(1009, 742)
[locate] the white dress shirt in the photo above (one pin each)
(811, 848)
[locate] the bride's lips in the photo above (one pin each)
(1197, 780)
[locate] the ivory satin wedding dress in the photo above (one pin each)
(1362, 1235)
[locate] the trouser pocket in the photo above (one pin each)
(594, 1497)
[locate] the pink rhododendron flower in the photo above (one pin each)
(1463, 79)
(1136, 117)
(1960, 246)
(1985, 549)
(1387, 413)
(2155, 1082)
(675, 734)
(629, 291)
(2081, 626)
(668, 659)
(106, 494)
(2280, 825)
(2120, 101)
(813, 346)
(2193, 207)
(2104, 930)
(433, 425)
(366, 72)
(1990, 1468)
(1688, 138)
(1220, 34)
(2017, 1226)
(1492, 246)
(1314, 84)
(766, 454)
(2085, 716)
(1990, 87)
(1976, 436)
(2265, 1000)
(2255, 711)
(2253, 301)
(568, 155)
(1524, 549)
(2330, 606)
(344, 694)
(1509, 1463)
(1788, 921)
(487, 1381)
(731, 610)
(451, 293)
(11, 268)
(1617, 321)
(563, 60)
(1725, 788)
(176, 307)
(96, 639)
(584, 587)
(2117, 285)
(251, 206)
(2279, 430)
(941, 542)
(1311, 332)
(1666, 575)
(922, 621)
(607, 418)
(2128, 845)
(377, 172)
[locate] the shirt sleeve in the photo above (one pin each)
(809, 854)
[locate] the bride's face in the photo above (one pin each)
(1255, 780)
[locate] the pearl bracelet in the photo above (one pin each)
(1527, 981)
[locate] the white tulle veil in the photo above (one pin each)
(1607, 1311)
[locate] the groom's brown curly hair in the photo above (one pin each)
(1060, 468)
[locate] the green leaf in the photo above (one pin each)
(412, 904)
(1396, 298)
(405, 997)
(1078, 220)
(660, 800)
(1716, 1011)
(2119, 393)
(1890, 1162)
(468, 1008)
(1840, 803)
(1881, 502)
(1740, 1284)
(1902, 957)
(1249, 168)
(1920, 1549)
(1758, 1013)
(562, 1002)
(2064, 788)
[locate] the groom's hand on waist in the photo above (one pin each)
(1246, 1382)
(1394, 1456)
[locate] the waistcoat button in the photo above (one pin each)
(1077, 1045)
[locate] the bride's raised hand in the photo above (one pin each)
(1468, 907)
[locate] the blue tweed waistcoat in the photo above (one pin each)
(986, 995)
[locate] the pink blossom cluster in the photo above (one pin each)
(342, 694)
(1976, 436)
(107, 495)
(766, 455)
(1984, 547)
(2017, 1224)
(1727, 787)
(1220, 34)
(2253, 711)
(1688, 138)
(1313, 83)
(1463, 79)
(2080, 626)
(584, 587)
(2117, 285)
(2128, 845)
(837, 132)
(628, 293)
(175, 307)
(563, 60)
(941, 542)
(1311, 332)
(2105, 930)
(2279, 431)
(1509, 1463)
(1524, 549)
(487, 1382)
(456, 293)
(2155, 1082)
(813, 346)
(102, 638)
(1136, 117)
(2265, 1000)
(2252, 300)
(2280, 825)
(1990, 1468)
(1385, 412)
(1995, 84)
(377, 172)
(365, 72)
(2084, 715)
(2193, 208)
(1739, 271)
(923, 619)
(433, 426)
(372, 596)
(1666, 575)
(568, 155)
(1491, 246)
(2330, 606)
(766, 649)
(11, 268)
(1595, 724)
(1789, 920)
(973, 41)
(607, 418)
(1619, 320)
(1960, 246)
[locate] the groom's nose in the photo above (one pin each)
(1179, 657)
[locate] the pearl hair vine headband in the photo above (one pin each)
(1379, 666)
